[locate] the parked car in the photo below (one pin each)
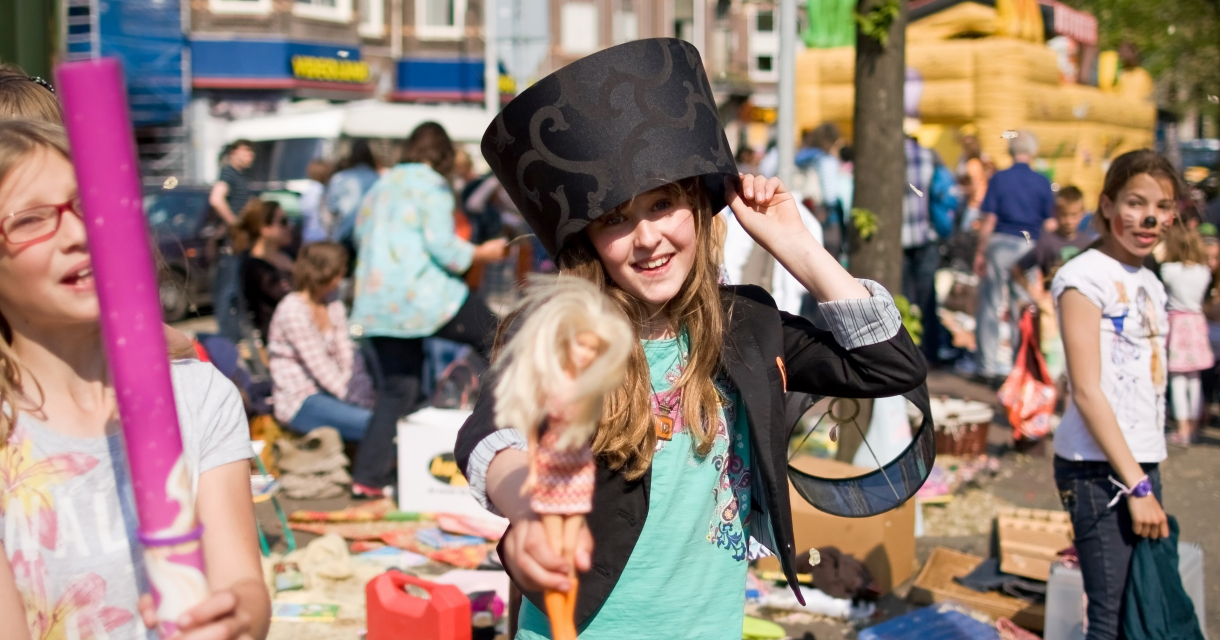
(186, 230)
(1200, 159)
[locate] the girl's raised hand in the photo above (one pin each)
(766, 210)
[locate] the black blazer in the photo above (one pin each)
(758, 338)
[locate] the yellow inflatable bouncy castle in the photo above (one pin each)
(985, 70)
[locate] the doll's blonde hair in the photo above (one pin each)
(531, 366)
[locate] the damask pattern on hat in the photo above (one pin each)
(607, 128)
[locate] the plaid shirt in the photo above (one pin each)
(305, 361)
(916, 222)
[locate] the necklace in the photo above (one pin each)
(667, 402)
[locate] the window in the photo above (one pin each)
(333, 10)
(764, 63)
(626, 26)
(249, 7)
(578, 27)
(765, 21)
(440, 19)
(372, 17)
(684, 20)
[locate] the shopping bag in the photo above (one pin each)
(1029, 393)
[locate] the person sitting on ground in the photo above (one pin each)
(317, 373)
(266, 270)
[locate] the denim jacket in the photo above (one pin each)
(344, 194)
(409, 275)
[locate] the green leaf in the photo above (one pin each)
(877, 22)
(864, 221)
(912, 318)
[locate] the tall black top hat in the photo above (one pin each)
(605, 129)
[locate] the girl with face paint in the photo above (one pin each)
(1112, 314)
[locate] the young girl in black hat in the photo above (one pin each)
(619, 164)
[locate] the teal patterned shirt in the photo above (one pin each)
(685, 579)
(409, 274)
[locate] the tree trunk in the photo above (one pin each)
(880, 161)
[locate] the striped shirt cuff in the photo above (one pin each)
(865, 321)
(480, 459)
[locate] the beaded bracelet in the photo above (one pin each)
(1141, 489)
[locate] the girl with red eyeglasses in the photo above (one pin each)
(69, 561)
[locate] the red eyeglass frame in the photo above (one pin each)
(71, 205)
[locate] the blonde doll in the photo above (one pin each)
(570, 350)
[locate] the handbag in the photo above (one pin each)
(1029, 394)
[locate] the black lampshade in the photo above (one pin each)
(605, 129)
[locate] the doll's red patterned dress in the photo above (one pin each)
(563, 484)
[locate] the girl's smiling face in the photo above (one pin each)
(49, 281)
(648, 246)
(1140, 213)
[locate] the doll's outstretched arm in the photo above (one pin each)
(532, 478)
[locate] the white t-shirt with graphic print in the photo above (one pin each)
(1134, 324)
(67, 510)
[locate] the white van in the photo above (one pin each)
(287, 141)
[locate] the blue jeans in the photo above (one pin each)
(1002, 253)
(226, 295)
(325, 410)
(919, 265)
(1104, 538)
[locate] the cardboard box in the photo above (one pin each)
(429, 480)
(884, 543)
(1031, 539)
(935, 584)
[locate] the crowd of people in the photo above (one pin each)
(399, 230)
(1133, 285)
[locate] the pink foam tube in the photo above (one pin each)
(107, 173)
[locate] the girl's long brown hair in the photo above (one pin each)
(626, 436)
(18, 140)
(256, 215)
